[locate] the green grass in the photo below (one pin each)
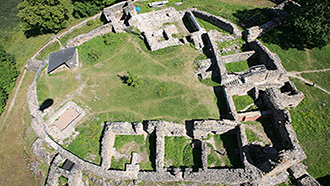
(209, 26)
(215, 160)
(251, 136)
(178, 152)
(300, 60)
(88, 141)
(242, 101)
(226, 44)
(168, 91)
(310, 120)
(322, 79)
(127, 144)
(50, 48)
(237, 67)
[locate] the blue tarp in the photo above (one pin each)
(138, 9)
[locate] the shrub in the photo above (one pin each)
(133, 80)
(94, 55)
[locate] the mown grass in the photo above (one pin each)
(242, 101)
(168, 91)
(322, 79)
(178, 152)
(237, 67)
(310, 121)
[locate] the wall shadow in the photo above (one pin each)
(197, 155)
(152, 147)
(230, 143)
(325, 180)
(46, 104)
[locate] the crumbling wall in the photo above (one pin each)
(237, 57)
(266, 57)
(82, 38)
(218, 21)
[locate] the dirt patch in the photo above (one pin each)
(99, 65)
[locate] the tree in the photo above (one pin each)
(85, 8)
(311, 22)
(44, 16)
(8, 74)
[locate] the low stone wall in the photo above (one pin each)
(80, 39)
(218, 21)
(237, 57)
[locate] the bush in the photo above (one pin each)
(133, 80)
(94, 55)
(109, 38)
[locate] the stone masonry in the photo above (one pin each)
(262, 80)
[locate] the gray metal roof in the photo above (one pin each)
(60, 57)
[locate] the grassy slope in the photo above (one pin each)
(311, 123)
(322, 78)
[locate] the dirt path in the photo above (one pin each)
(295, 74)
(12, 102)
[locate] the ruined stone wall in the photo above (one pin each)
(205, 127)
(266, 57)
(237, 57)
(218, 21)
(82, 38)
(230, 104)
(216, 52)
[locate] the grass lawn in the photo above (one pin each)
(237, 67)
(126, 145)
(310, 121)
(169, 91)
(242, 101)
(322, 78)
(178, 152)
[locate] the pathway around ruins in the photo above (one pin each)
(296, 74)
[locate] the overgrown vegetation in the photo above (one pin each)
(8, 74)
(178, 152)
(127, 144)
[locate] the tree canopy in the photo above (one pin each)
(83, 8)
(8, 74)
(311, 22)
(45, 16)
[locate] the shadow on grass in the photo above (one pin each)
(325, 180)
(46, 104)
(251, 17)
(230, 143)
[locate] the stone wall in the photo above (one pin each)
(237, 57)
(218, 21)
(266, 57)
(82, 38)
